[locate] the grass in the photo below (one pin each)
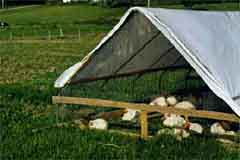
(70, 18)
(28, 71)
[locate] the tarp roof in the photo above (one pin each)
(148, 39)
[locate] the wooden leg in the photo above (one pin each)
(144, 125)
(186, 118)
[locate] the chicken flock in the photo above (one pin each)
(176, 124)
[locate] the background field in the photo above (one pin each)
(29, 69)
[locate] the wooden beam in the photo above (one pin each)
(119, 75)
(144, 125)
(146, 107)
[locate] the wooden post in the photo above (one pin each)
(144, 125)
(186, 118)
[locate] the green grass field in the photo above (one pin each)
(28, 71)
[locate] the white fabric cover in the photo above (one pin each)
(209, 41)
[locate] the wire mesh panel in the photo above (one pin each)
(184, 84)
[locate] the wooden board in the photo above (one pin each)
(144, 124)
(145, 107)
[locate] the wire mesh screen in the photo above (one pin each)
(184, 84)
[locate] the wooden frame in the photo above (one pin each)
(145, 108)
(140, 72)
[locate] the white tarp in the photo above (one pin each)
(209, 41)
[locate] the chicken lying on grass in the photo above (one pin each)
(195, 127)
(164, 102)
(130, 115)
(185, 105)
(159, 101)
(181, 127)
(100, 124)
(173, 120)
(172, 101)
(218, 129)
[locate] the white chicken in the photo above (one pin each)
(172, 101)
(217, 128)
(159, 101)
(173, 120)
(98, 124)
(195, 127)
(129, 115)
(185, 105)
